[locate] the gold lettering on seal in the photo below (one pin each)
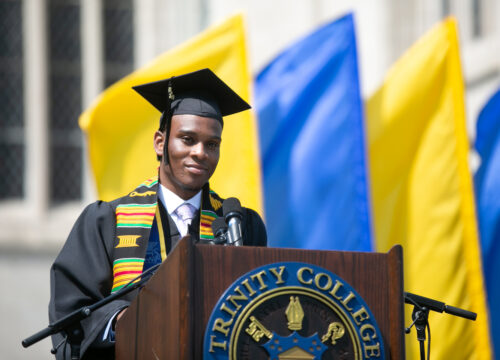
(258, 276)
(334, 292)
(278, 275)
(222, 326)
(360, 315)
(335, 289)
(365, 332)
(234, 298)
(317, 281)
(346, 301)
(216, 344)
(249, 288)
(372, 350)
(300, 275)
(225, 308)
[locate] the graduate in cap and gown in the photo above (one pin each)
(113, 242)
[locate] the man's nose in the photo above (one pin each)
(199, 150)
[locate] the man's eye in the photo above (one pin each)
(213, 145)
(187, 139)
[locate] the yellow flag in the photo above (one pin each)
(120, 124)
(422, 190)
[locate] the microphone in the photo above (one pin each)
(438, 306)
(233, 215)
(219, 229)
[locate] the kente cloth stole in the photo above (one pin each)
(135, 215)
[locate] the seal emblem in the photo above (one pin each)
(292, 311)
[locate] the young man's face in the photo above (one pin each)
(193, 150)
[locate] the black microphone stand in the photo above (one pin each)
(71, 323)
(420, 316)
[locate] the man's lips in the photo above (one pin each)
(196, 169)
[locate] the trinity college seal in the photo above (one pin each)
(292, 310)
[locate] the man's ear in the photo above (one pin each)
(159, 142)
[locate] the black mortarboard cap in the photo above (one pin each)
(199, 93)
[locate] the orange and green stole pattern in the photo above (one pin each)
(135, 214)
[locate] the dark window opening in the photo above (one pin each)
(65, 101)
(12, 148)
(118, 39)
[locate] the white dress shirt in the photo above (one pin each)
(171, 202)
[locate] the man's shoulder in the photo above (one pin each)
(255, 227)
(216, 201)
(145, 193)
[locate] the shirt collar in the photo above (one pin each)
(172, 201)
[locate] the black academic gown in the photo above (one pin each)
(82, 274)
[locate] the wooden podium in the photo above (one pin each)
(167, 320)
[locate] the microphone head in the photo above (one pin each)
(219, 226)
(231, 207)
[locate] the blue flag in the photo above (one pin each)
(487, 183)
(313, 144)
